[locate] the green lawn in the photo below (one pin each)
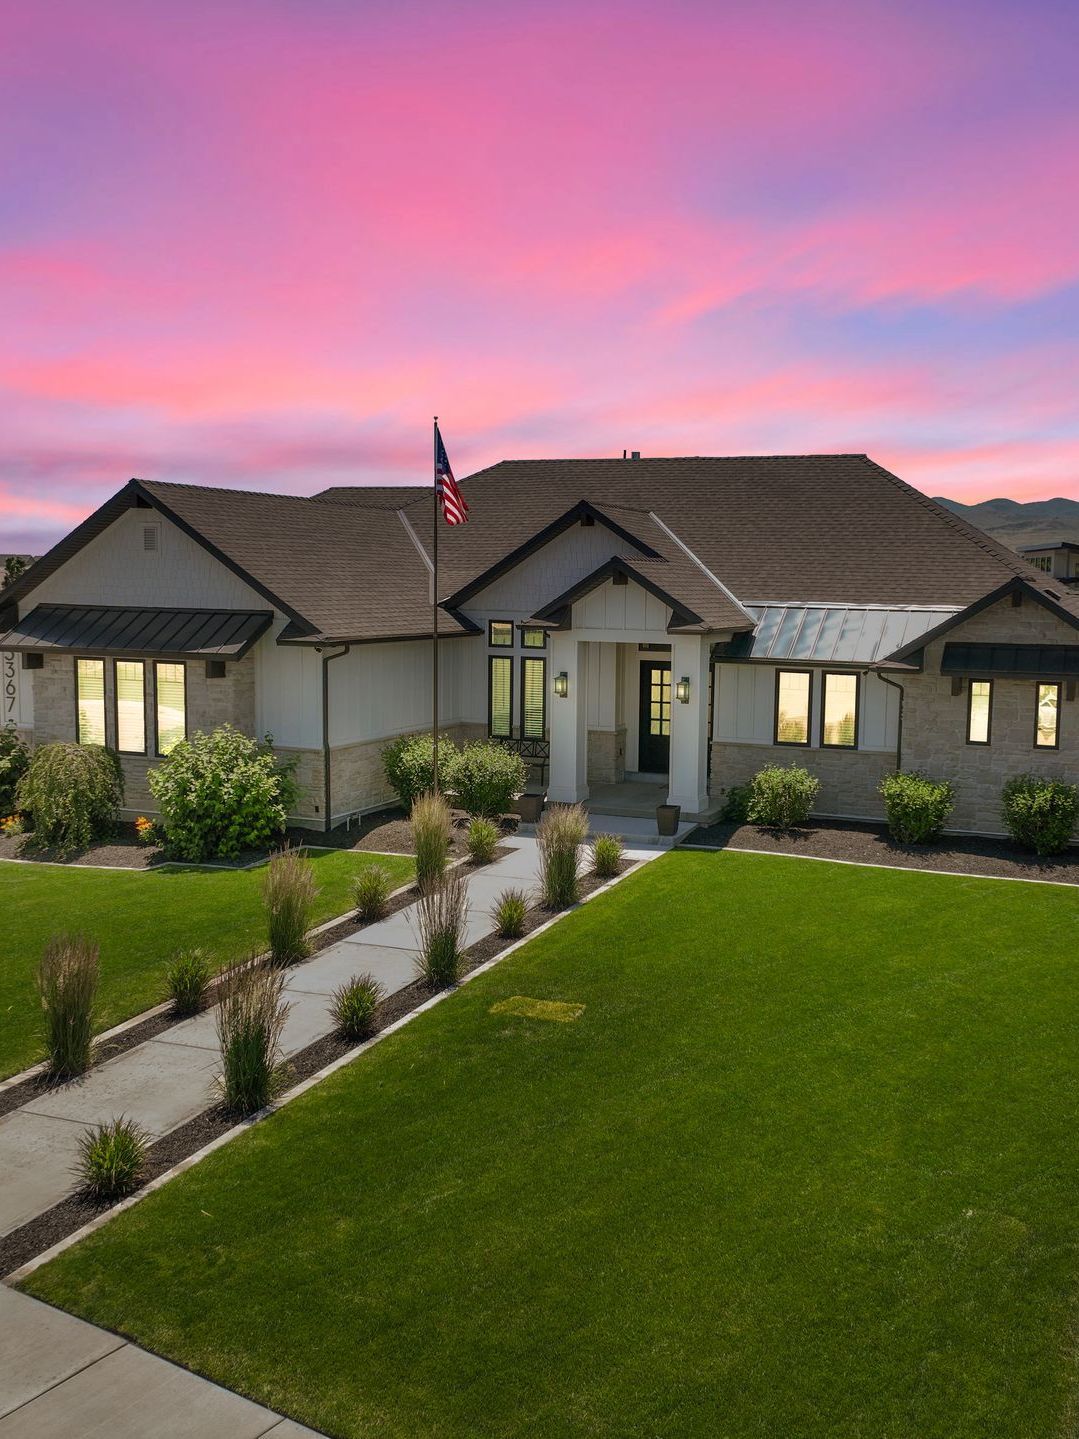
(806, 1165)
(138, 918)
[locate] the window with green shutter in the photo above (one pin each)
(533, 698)
(500, 696)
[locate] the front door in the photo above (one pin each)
(654, 743)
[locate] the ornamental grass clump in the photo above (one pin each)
(288, 892)
(917, 806)
(371, 892)
(251, 1015)
(510, 912)
(782, 796)
(482, 840)
(1040, 814)
(67, 986)
(73, 792)
(442, 914)
(354, 1005)
(431, 834)
(112, 1159)
(606, 856)
(560, 834)
(187, 980)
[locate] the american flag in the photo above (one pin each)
(454, 509)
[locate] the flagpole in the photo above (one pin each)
(434, 612)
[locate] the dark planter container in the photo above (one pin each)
(530, 807)
(667, 817)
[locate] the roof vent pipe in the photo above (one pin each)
(635, 455)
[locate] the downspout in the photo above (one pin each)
(327, 816)
(899, 727)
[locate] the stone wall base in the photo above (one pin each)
(849, 778)
(607, 755)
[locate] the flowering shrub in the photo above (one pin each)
(11, 824)
(145, 830)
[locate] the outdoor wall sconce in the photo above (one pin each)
(681, 690)
(561, 685)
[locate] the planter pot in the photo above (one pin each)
(530, 807)
(667, 817)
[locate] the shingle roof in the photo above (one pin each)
(209, 634)
(375, 497)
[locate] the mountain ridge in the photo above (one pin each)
(1018, 523)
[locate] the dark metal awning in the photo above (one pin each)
(1018, 661)
(96, 629)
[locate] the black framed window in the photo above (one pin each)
(533, 698)
(794, 696)
(90, 701)
(1047, 717)
(129, 700)
(979, 712)
(533, 638)
(500, 696)
(170, 704)
(839, 710)
(500, 634)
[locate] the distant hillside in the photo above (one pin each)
(1037, 522)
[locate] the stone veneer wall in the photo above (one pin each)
(357, 779)
(849, 778)
(607, 755)
(935, 720)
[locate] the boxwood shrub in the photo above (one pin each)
(220, 794)
(781, 796)
(1040, 814)
(408, 762)
(917, 806)
(73, 793)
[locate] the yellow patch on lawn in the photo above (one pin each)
(555, 1009)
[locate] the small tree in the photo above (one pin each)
(74, 793)
(14, 567)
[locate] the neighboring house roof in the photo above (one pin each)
(1049, 545)
(201, 634)
(831, 634)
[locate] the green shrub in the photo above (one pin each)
(112, 1158)
(220, 794)
(606, 856)
(486, 778)
(371, 892)
(14, 762)
(251, 1014)
(782, 796)
(559, 835)
(74, 793)
(409, 765)
(288, 892)
(917, 806)
(353, 1006)
(67, 987)
(1040, 814)
(442, 915)
(482, 839)
(187, 979)
(736, 804)
(431, 834)
(510, 912)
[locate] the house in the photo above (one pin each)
(673, 622)
(1059, 559)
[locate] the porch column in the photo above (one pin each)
(568, 724)
(689, 724)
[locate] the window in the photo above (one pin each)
(533, 698)
(1047, 717)
(171, 684)
(793, 689)
(839, 711)
(500, 696)
(90, 701)
(129, 677)
(980, 712)
(534, 638)
(500, 634)
(1042, 562)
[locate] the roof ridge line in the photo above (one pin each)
(700, 565)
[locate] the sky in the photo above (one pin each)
(259, 244)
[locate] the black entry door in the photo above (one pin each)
(654, 745)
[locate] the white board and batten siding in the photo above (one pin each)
(546, 574)
(380, 690)
(745, 707)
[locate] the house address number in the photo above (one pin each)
(10, 690)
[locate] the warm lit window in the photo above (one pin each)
(839, 720)
(1047, 719)
(130, 680)
(90, 701)
(533, 698)
(500, 697)
(792, 706)
(500, 635)
(533, 638)
(979, 711)
(171, 683)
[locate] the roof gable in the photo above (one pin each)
(1048, 599)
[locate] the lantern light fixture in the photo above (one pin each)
(561, 685)
(681, 690)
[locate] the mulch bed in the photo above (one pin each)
(867, 843)
(72, 1213)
